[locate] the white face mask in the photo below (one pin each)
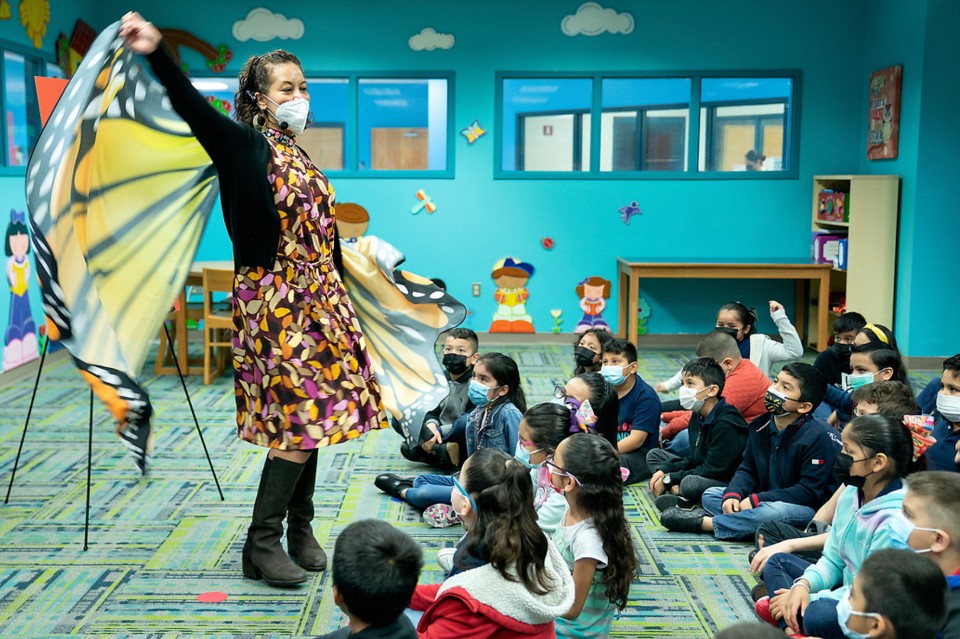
(949, 407)
(688, 398)
(292, 115)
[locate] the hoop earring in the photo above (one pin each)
(259, 122)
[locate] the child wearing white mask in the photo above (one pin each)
(946, 430)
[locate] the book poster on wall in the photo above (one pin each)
(883, 137)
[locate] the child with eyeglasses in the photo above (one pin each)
(594, 537)
(508, 579)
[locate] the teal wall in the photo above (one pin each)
(921, 35)
(480, 220)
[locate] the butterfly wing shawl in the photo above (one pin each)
(401, 315)
(119, 191)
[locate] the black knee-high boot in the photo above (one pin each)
(263, 555)
(301, 543)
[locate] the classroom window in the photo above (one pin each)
(635, 125)
(21, 113)
(744, 124)
(546, 124)
(364, 125)
(644, 124)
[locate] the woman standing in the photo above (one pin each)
(302, 374)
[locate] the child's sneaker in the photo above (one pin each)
(441, 516)
(445, 558)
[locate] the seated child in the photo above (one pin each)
(594, 537)
(604, 404)
(786, 471)
(878, 452)
(740, 322)
(437, 444)
(946, 430)
(868, 363)
(375, 569)
(745, 388)
(495, 391)
(897, 594)
(835, 360)
(639, 408)
(508, 579)
(587, 349)
(720, 435)
(931, 509)
(889, 398)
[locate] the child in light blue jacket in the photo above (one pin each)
(878, 451)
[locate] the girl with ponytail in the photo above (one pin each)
(878, 452)
(508, 579)
(593, 537)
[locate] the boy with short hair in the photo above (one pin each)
(639, 408)
(896, 594)
(946, 430)
(835, 360)
(787, 468)
(718, 431)
(440, 443)
(375, 571)
(931, 509)
(888, 397)
(744, 389)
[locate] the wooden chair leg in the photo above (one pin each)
(206, 354)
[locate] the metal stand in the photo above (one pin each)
(26, 424)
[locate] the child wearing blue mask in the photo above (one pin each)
(878, 451)
(639, 408)
(896, 594)
(500, 402)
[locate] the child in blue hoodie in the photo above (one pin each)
(878, 451)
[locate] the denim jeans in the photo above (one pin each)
(429, 490)
(743, 525)
(820, 619)
(680, 444)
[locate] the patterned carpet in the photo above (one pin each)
(157, 543)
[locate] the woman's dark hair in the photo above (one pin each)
(504, 370)
(747, 316)
(549, 425)
(883, 357)
(14, 228)
(603, 336)
(606, 405)
(877, 434)
(255, 78)
(506, 529)
(596, 464)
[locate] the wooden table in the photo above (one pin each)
(804, 273)
(180, 334)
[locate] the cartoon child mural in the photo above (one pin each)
(510, 276)
(20, 342)
(352, 221)
(592, 293)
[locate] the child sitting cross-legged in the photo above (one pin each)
(594, 537)
(786, 471)
(508, 579)
(878, 451)
(718, 433)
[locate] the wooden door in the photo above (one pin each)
(398, 149)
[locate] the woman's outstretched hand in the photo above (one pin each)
(141, 36)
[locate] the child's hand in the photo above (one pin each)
(730, 506)
(661, 387)
(656, 483)
(775, 306)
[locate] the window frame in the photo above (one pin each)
(693, 172)
(27, 52)
(351, 138)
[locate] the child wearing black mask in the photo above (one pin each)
(442, 442)
(588, 348)
(835, 361)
